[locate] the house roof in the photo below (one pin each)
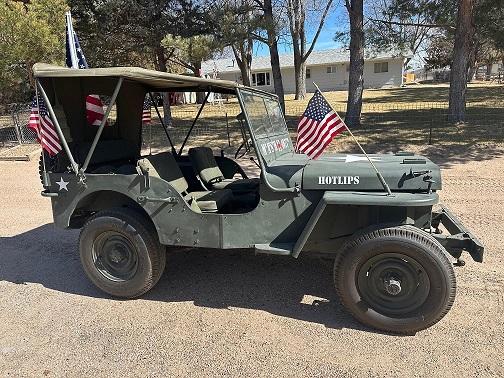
(319, 57)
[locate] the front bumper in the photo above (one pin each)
(460, 238)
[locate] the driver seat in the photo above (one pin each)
(211, 176)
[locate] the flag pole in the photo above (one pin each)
(71, 40)
(380, 176)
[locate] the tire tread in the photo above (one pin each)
(154, 247)
(407, 232)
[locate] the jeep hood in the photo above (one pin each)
(402, 172)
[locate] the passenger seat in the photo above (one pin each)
(165, 167)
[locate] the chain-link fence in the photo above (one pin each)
(13, 126)
(382, 125)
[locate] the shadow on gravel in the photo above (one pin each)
(299, 289)
(48, 256)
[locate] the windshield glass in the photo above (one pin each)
(265, 115)
(267, 124)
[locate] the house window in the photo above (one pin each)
(308, 73)
(331, 69)
(260, 79)
(381, 67)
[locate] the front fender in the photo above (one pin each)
(406, 200)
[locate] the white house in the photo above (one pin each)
(327, 68)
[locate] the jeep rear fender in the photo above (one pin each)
(396, 200)
(103, 191)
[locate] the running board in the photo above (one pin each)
(281, 249)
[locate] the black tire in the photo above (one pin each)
(120, 252)
(396, 279)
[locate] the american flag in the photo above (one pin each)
(94, 110)
(40, 120)
(75, 59)
(41, 123)
(318, 126)
(74, 55)
(146, 113)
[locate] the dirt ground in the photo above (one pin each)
(235, 315)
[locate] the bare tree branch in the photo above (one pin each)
(444, 26)
(259, 38)
(321, 24)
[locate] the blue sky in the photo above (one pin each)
(337, 20)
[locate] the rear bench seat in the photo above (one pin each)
(110, 156)
(165, 167)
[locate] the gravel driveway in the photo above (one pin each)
(231, 314)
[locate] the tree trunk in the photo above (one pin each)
(472, 71)
(296, 14)
(356, 75)
(273, 49)
(472, 63)
(299, 66)
(200, 96)
(247, 56)
(243, 56)
(244, 71)
(488, 70)
(161, 66)
(461, 55)
(300, 77)
(277, 73)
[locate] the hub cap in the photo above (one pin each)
(114, 256)
(392, 286)
(393, 283)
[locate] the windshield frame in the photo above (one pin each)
(265, 144)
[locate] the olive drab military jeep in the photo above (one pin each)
(393, 254)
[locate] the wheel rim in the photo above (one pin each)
(393, 283)
(114, 256)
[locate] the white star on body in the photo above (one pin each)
(62, 184)
(352, 158)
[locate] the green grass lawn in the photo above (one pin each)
(393, 119)
(420, 96)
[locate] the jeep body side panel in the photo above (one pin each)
(339, 214)
(175, 222)
(278, 218)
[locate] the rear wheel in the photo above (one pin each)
(396, 279)
(120, 253)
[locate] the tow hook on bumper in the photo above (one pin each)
(460, 239)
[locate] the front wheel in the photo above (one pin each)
(121, 253)
(395, 279)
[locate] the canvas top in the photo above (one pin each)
(153, 80)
